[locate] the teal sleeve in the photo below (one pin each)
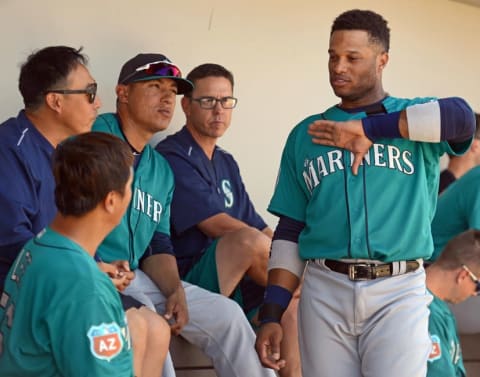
(290, 197)
(90, 338)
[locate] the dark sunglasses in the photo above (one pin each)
(474, 279)
(90, 91)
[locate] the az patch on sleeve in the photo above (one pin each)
(105, 340)
(436, 352)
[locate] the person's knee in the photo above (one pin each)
(230, 311)
(253, 243)
(137, 325)
(157, 327)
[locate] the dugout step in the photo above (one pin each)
(189, 360)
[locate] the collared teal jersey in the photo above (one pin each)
(458, 210)
(60, 315)
(149, 210)
(445, 360)
(383, 213)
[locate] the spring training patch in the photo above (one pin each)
(436, 352)
(105, 340)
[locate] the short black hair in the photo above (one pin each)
(86, 168)
(209, 70)
(373, 23)
(46, 69)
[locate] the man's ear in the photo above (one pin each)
(462, 275)
(186, 103)
(383, 60)
(110, 202)
(475, 146)
(54, 102)
(122, 93)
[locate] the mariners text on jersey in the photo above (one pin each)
(146, 203)
(380, 155)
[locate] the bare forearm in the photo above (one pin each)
(218, 225)
(163, 270)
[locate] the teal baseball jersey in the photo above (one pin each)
(60, 315)
(445, 360)
(458, 209)
(383, 213)
(149, 210)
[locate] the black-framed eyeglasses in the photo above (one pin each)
(211, 102)
(474, 279)
(90, 91)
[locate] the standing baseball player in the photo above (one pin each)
(59, 314)
(355, 196)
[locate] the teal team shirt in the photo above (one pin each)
(458, 210)
(149, 210)
(60, 315)
(369, 216)
(445, 360)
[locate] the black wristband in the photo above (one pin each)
(270, 312)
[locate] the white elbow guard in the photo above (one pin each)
(424, 122)
(284, 255)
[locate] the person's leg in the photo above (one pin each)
(138, 332)
(157, 343)
(242, 252)
(395, 337)
(326, 318)
(221, 329)
(218, 326)
(136, 290)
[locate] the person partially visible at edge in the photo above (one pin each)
(59, 314)
(459, 165)
(355, 197)
(452, 279)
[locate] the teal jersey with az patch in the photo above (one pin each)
(149, 209)
(445, 360)
(383, 213)
(60, 315)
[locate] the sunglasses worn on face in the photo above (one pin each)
(211, 102)
(474, 279)
(90, 91)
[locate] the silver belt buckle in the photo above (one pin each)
(360, 271)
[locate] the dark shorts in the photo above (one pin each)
(204, 273)
(129, 302)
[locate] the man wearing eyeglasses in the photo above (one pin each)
(146, 93)
(452, 278)
(51, 115)
(220, 241)
(60, 100)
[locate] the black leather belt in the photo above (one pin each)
(368, 271)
